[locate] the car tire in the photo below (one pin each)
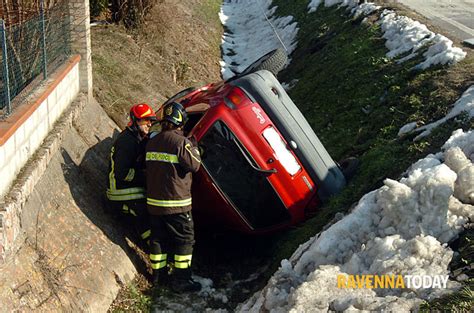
(349, 167)
(180, 94)
(273, 61)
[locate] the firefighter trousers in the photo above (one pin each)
(172, 241)
(135, 212)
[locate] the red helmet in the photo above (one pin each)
(139, 111)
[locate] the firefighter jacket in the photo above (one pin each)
(171, 158)
(127, 167)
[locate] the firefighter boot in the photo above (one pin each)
(182, 281)
(160, 277)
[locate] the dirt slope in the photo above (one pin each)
(178, 47)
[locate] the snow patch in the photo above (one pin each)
(250, 35)
(463, 104)
(401, 228)
(405, 35)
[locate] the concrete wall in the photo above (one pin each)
(21, 136)
(69, 256)
(24, 131)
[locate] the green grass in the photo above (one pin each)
(208, 11)
(356, 100)
(132, 299)
(460, 301)
(463, 299)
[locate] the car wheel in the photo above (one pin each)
(273, 61)
(180, 94)
(349, 167)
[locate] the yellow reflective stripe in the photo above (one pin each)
(125, 208)
(130, 175)
(115, 194)
(133, 213)
(146, 234)
(188, 147)
(162, 157)
(125, 191)
(125, 197)
(147, 112)
(112, 174)
(182, 261)
(181, 258)
(182, 265)
(169, 203)
(126, 194)
(157, 266)
(158, 257)
(158, 260)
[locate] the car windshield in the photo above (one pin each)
(248, 190)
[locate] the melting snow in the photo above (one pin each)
(249, 35)
(463, 104)
(403, 35)
(400, 228)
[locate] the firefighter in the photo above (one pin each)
(171, 158)
(126, 183)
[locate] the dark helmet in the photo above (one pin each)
(174, 113)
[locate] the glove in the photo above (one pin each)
(202, 151)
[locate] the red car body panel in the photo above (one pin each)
(248, 127)
(246, 119)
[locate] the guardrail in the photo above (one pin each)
(31, 47)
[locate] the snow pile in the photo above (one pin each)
(249, 35)
(364, 9)
(353, 5)
(405, 35)
(463, 104)
(402, 229)
(207, 290)
(313, 5)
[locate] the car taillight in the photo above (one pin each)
(282, 153)
(236, 99)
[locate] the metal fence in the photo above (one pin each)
(31, 50)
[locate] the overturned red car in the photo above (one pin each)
(263, 167)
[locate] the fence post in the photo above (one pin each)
(6, 78)
(81, 42)
(43, 31)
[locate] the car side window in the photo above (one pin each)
(249, 191)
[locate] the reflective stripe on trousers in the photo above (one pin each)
(182, 261)
(126, 194)
(158, 261)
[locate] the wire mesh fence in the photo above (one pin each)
(31, 49)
